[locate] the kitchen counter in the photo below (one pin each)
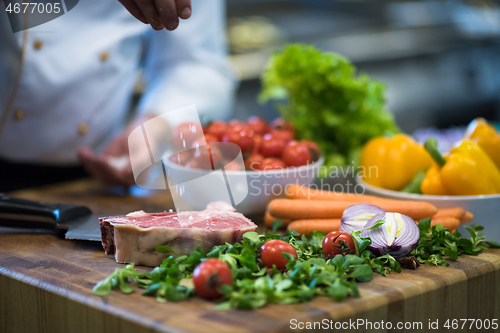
(46, 285)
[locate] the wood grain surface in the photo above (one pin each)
(46, 286)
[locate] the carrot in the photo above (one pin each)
(305, 193)
(269, 219)
(306, 209)
(304, 227)
(468, 217)
(317, 209)
(447, 221)
(457, 212)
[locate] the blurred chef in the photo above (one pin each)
(66, 86)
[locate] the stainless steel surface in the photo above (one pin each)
(85, 228)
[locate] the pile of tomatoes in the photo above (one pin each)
(264, 146)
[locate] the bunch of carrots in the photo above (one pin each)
(305, 210)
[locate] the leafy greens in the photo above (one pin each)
(255, 286)
(326, 101)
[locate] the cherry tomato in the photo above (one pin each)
(271, 146)
(233, 166)
(253, 162)
(270, 254)
(208, 138)
(182, 157)
(210, 276)
(216, 158)
(257, 140)
(217, 128)
(211, 138)
(286, 136)
(311, 144)
(200, 161)
(236, 125)
(338, 242)
(313, 149)
(281, 124)
(242, 137)
(258, 125)
(296, 154)
(271, 163)
(186, 133)
(206, 157)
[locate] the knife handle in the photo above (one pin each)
(20, 213)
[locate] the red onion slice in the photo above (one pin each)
(397, 236)
(355, 217)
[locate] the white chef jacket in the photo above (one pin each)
(79, 70)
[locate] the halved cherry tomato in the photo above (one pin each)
(210, 276)
(217, 128)
(258, 125)
(296, 154)
(271, 146)
(338, 242)
(242, 137)
(270, 253)
(186, 133)
(271, 163)
(253, 162)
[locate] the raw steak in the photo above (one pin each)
(134, 237)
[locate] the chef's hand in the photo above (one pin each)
(112, 166)
(159, 13)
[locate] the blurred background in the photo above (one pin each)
(439, 59)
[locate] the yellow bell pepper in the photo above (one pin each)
(392, 163)
(487, 137)
(432, 183)
(467, 170)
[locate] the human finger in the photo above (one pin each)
(184, 9)
(133, 9)
(168, 13)
(148, 8)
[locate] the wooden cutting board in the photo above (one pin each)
(46, 286)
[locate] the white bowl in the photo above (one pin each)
(250, 191)
(486, 208)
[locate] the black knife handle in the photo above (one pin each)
(26, 207)
(21, 213)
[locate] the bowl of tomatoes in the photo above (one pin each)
(259, 160)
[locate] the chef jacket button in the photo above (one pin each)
(104, 56)
(37, 44)
(83, 128)
(19, 115)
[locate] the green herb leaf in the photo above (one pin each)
(276, 225)
(164, 249)
(304, 278)
(252, 236)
